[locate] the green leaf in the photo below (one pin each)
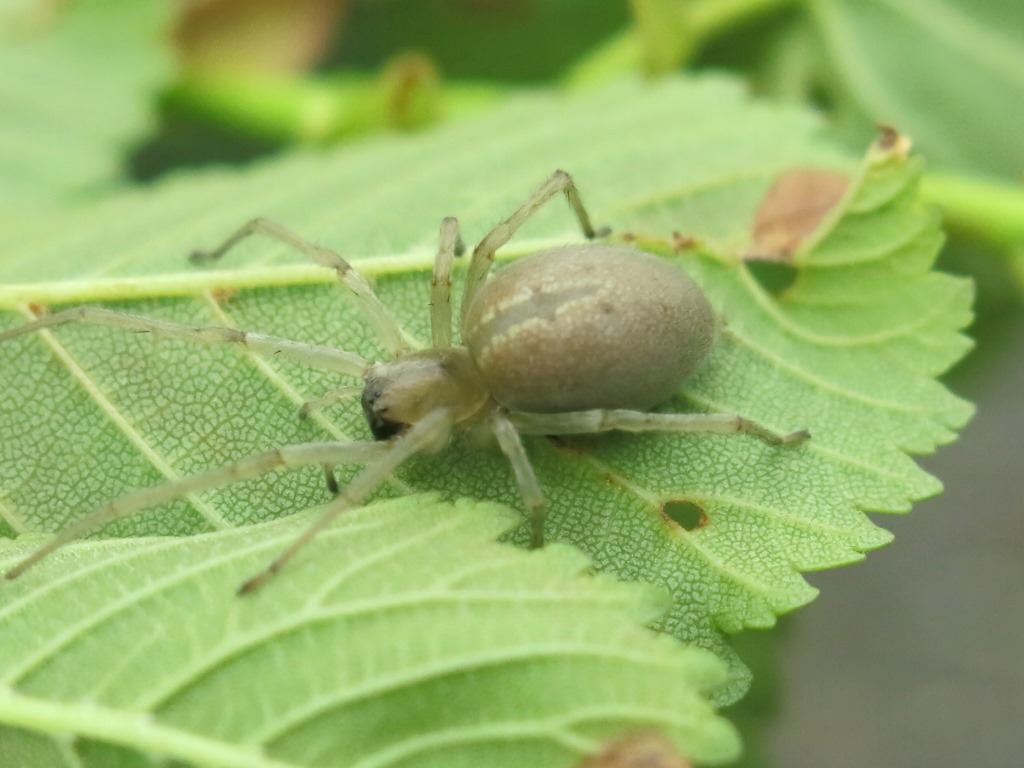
(428, 645)
(961, 92)
(77, 89)
(850, 351)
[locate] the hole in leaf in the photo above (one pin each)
(685, 514)
(774, 276)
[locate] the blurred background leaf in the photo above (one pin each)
(77, 89)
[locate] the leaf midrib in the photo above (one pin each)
(189, 283)
(135, 730)
(157, 461)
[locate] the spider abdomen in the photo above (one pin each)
(588, 326)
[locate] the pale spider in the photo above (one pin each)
(571, 340)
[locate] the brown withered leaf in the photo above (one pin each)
(640, 749)
(792, 209)
(256, 36)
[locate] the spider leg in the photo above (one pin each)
(383, 324)
(324, 358)
(331, 479)
(589, 422)
(289, 456)
(533, 497)
(483, 254)
(327, 399)
(429, 433)
(450, 245)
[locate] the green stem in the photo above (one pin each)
(986, 208)
(323, 110)
(665, 35)
(708, 18)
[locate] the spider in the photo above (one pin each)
(576, 339)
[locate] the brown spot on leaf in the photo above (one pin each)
(640, 749)
(681, 242)
(792, 210)
(222, 295)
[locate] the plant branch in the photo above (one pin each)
(990, 209)
(708, 18)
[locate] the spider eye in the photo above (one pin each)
(382, 427)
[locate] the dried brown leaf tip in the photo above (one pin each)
(890, 144)
(792, 210)
(637, 750)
